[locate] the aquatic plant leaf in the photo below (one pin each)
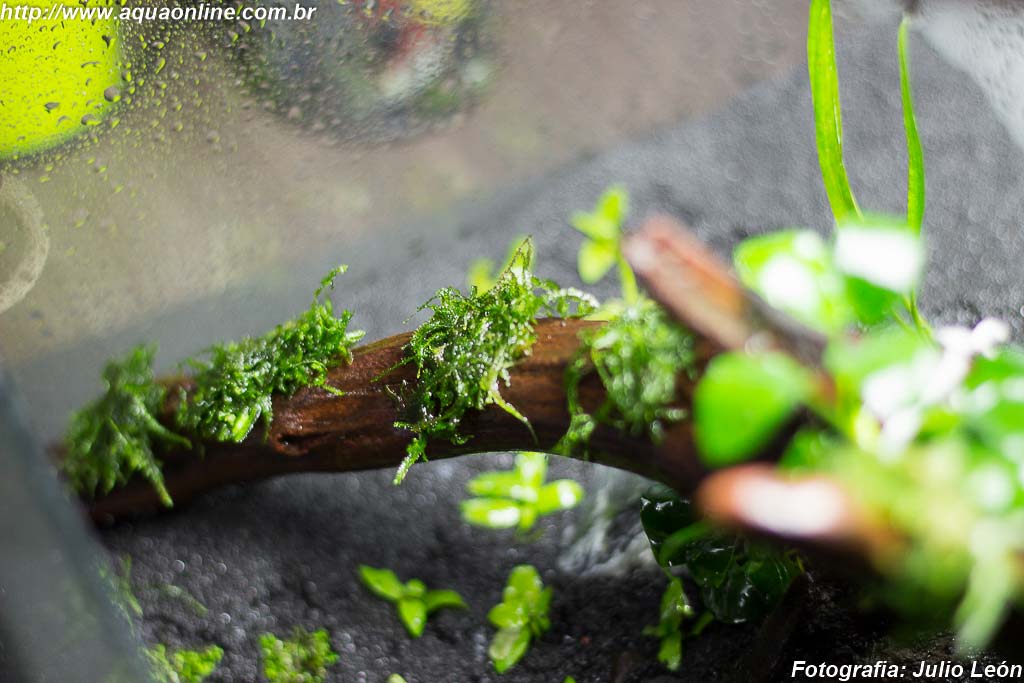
(439, 599)
(793, 271)
(412, 599)
(492, 513)
(507, 647)
(742, 401)
(828, 126)
(382, 582)
(413, 613)
(883, 252)
(521, 616)
(559, 495)
(738, 580)
(596, 259)
(915, 153)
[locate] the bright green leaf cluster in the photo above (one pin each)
(521, 616)
(414, 601)
(675, 609)
(112, 439)
(183, 666)
(639, 355)
(234, 386)
(464, 352)
(518, 497)
(867, 276)
(602, 248)
(302, 658)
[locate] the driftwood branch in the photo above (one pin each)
(317, 431)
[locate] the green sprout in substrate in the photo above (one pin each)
(521, 616)
(414, 601)
(302, 658)
(675, 609)
(639, 356)
(183, 666)
(516, 498)
(112, 439)
(235, 384)
(464, 352)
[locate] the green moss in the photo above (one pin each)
(116, 437)
(183, 666)
(638, 355)
(234, 386)
(112, 439)
(463, 353)
(302, 658)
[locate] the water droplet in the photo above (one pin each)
(90, 120)
(50, 106)
(112, 94)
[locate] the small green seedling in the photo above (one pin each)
(302, 658)
(183, 666)
(602, 247)
(415, 603)
(521, 616)
(675, 608)
(518, 497)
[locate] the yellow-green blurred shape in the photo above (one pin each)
(440, 12)
(56, 77)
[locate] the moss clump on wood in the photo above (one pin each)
(116, 437)
(112, 439)
(234, 386)
(639, 355)
(463, 353)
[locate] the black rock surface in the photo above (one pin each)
(271, 556)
